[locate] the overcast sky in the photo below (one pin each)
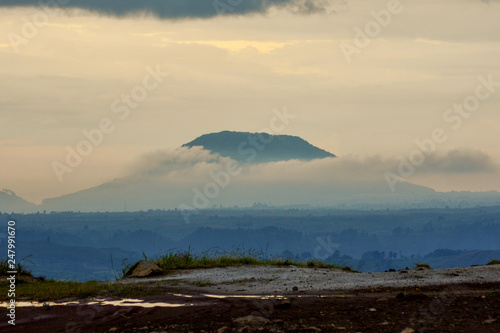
(229, 67)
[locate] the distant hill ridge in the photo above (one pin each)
(259, 147)
(10, 202)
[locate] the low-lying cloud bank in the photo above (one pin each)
(194, 178)
(199, 162)
(181, 9)
(460, 161)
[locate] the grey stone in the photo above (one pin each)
(143, 269)
(252, 320)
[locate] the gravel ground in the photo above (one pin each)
(262, 299)
(265, 280)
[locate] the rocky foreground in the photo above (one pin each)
(273, 280)
(286, 299)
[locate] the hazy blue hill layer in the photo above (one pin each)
(10, 202)
(258, 147)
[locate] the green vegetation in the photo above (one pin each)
(494, 262)
(187, 260)
(44, 290)
(20, 269)
(422, 265)
(57, 290)
(349, 269)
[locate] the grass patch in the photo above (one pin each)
(21, 270)
(51, 290)
(494, 262)
(349, 269)
(188, 260)
(44, 291)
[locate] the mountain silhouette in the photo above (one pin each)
(258, 147)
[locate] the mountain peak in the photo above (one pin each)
(258, 147)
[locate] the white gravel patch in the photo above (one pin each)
(270, 280)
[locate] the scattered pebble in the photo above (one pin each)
(408, 330)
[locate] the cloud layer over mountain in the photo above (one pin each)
(163, 162)
(190, 178)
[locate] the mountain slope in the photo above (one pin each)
(258, 147)
(10, 202)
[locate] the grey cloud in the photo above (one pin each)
(459, 161)
(197, 163)
(164, 162)
(180, 9)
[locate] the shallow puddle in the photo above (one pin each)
(101, 302)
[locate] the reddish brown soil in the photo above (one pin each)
(458, 308)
